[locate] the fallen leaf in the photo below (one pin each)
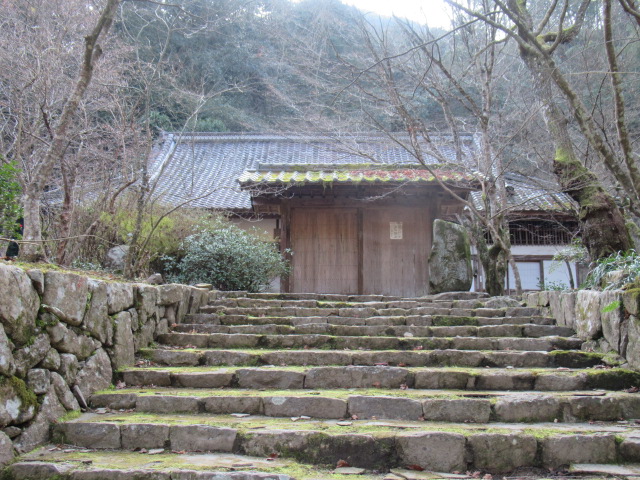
(402, 364)
(342, 463)
(273, 456)
(417, 468)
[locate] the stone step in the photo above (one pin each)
(280, 303)
(367, 444)
(505, 330)
(443, 297)
(307, 296)
(245, 302)
(68, 463)
(345, 377)
(410, 358)
(411, 320)
(365, 311)
(238, 340)
(439, 406)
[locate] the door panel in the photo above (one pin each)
(396, 243)
(325, 250)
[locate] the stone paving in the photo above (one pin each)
(268, 386)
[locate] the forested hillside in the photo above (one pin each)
(550, 91)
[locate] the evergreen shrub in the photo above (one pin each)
(229, 258)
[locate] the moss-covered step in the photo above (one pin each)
(247, 340)
(443, 406)
(340, 377)
(367, 444)
(505, 330)
(397, 320)
(311, 296)
(404, 358)
(53, 462)
(365, 310)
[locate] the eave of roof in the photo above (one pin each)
(371, 175)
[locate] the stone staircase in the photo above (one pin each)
(274, 386)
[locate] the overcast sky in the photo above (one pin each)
(431, 12)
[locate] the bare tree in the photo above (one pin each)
(436, 85)
(46, 72)
(538, 35)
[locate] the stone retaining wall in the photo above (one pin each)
(608, 321)
(63, 335)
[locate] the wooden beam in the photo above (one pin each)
(360, 252)
(285, 243)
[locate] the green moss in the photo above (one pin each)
(575, 359)
(449, 321)
(26, 395)
(612, 379)
(71, 415)
(45, 320)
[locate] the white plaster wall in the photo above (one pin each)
(263, 227)
(555, 273)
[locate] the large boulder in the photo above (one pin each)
(119, 297)
(122, 352)
(633, 348)
(28, 357)
(7, 364)
(146, 298)
(115, 257)
(568, 308)
(67, 341)
(96, 318)
(20, 304)
(6, 450)
(17, 403)
(588, 323)
(450, 259)
(66, 292)
(96, 374)
(614, 325)
(37, 432)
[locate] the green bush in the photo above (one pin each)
(627, 263)
(229, 258)
(10, 210)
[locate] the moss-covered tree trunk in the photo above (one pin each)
(603, 226)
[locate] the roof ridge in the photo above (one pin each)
(291, 136)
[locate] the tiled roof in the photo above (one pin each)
(527, 195)
(203, 169)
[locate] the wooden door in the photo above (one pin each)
(396, 245)
(325, 250)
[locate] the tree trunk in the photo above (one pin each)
(64, 220)
(495, 270)
(603, 227)
(32, 250)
